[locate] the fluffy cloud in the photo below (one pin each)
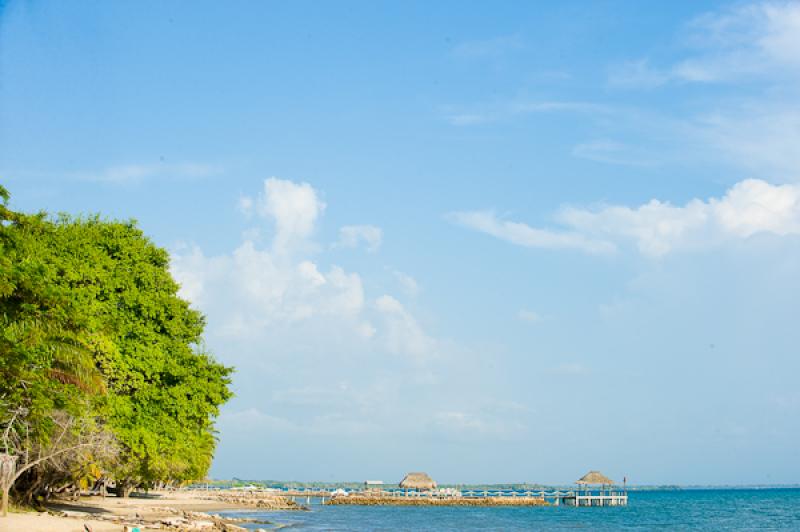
(657, 228)
(252, 290)
(315, 353)
(749, 207)
(350, 236)
(293, 207)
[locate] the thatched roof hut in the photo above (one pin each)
(595, 477)
(418, 481)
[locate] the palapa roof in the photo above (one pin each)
(420, 481)
(594, 477)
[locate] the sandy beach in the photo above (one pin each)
(181, 510)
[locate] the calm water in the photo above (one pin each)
(773, 509)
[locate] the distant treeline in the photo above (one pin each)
(240, 483)
(103, 373)
(352, 485)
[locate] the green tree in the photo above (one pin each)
(92, 326)
(164, 388)
(48, 376)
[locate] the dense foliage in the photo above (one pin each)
(91, 327)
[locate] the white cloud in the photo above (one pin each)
(525, 235)
(256, 289)
(350, 236)
(293, 207)
(135, 173)
(753, 41)
(759, 39)
(252, 290)
(316, 354)
(658, 228)
(754, 206)
(755, 49)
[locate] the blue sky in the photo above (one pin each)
(493, 242)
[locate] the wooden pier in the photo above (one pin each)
(405, 500)
(584, 498)
(603, 493)
(593, 490)
(589, 498)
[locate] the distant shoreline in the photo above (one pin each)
(277, 484)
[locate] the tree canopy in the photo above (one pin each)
(91, 326)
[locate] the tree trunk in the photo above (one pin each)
(6, 487)
(124, 488)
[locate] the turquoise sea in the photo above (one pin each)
(691, 509)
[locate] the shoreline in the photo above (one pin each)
(157, 510)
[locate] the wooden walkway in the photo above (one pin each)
(603, 498)
(577, 498)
